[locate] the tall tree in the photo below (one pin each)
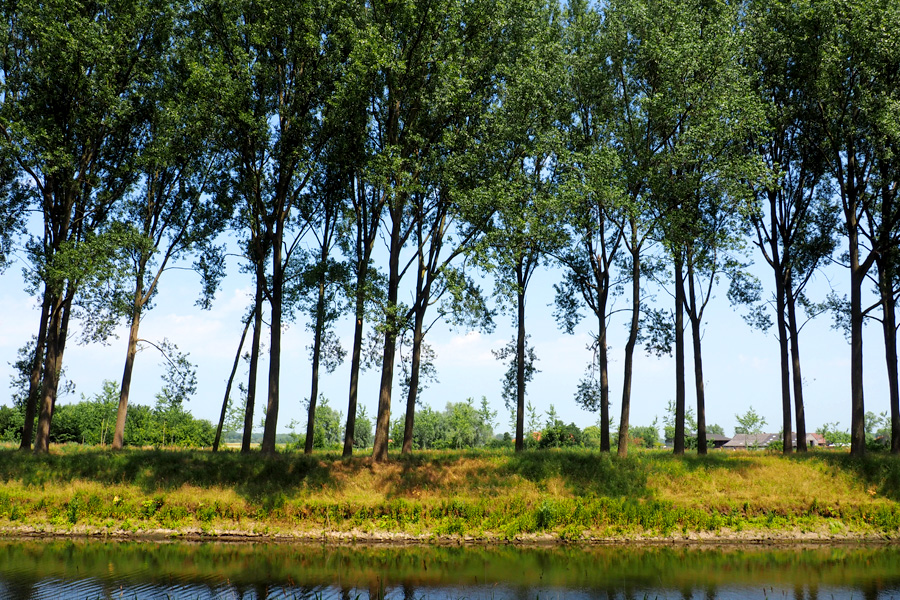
(856, 89)
(421, 92)
(171, 210)
(593, 207)
(700, 105)
(324, 275)
(796, 224)
(529, 110)
(72, 118)
(277, 64)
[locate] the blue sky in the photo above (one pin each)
(740, 364)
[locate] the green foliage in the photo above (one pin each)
(833, 435)
(509, 353)
(460, 425)
(11, 423)
(560, 435)
(329, 429)
(362, 432)
(750, 422)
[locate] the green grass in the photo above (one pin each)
(565, 494)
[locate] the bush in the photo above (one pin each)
(560, 436)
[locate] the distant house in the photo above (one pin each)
(743, 441)
(717, 441)
(713, 440)
(763, 440)
(813, 440)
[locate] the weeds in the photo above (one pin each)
(568, 494)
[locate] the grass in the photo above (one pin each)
(566, 494)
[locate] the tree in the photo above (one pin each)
(750, 422)
(277, 63)
(856, 87)
(593, 197)
(73, 114)
(796, 224)
(426, 85)
(523, 230)
(704, 111)
(171, 211)
(324, 275)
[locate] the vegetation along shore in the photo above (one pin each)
(562, 495)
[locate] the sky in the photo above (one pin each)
(740, 364)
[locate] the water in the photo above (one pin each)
(39, 569)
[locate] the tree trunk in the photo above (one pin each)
(356, 356)
(780, 306)
(34, 382)
(57, 330)
(796, 373)
(679, 354)
(695, 317)
(234, 366)
(383, 419)
(316, 358)
(889, 329)
(857, 402)
(520, 358)
(414, 367)
(275, 300)
(254, 362)
(125, 389)
(604, 380)
(632, 341)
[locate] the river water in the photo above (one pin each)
(39, 569)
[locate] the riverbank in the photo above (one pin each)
(452, 497)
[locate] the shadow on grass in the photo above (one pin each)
(878, 471)
(585, 473)
(255, 477)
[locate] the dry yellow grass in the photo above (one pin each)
(567, 492)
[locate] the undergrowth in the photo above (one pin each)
(567, 494)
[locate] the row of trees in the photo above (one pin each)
(630, 142)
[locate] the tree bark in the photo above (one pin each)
(234, 366)
(632, 340)
(383, 419)
(34, 381)
(275, 301)
(679, 354)
(780, 306)
(857, 276)
(57, 331)
(414, 369)
(520, 357)
(695, 315)
(889, 329)
(250, 407)
(796, 373)
(603, 349)
(124, 390)
(356, 357)
(316, 358)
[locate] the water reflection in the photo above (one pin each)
(38, 569)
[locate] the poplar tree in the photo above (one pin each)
(276, 63)
(528, 112)
(74, 111)
(796, 223)
(857, 95)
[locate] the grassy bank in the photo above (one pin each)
(570, 495)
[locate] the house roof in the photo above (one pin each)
(751, 440)
(816, 439)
